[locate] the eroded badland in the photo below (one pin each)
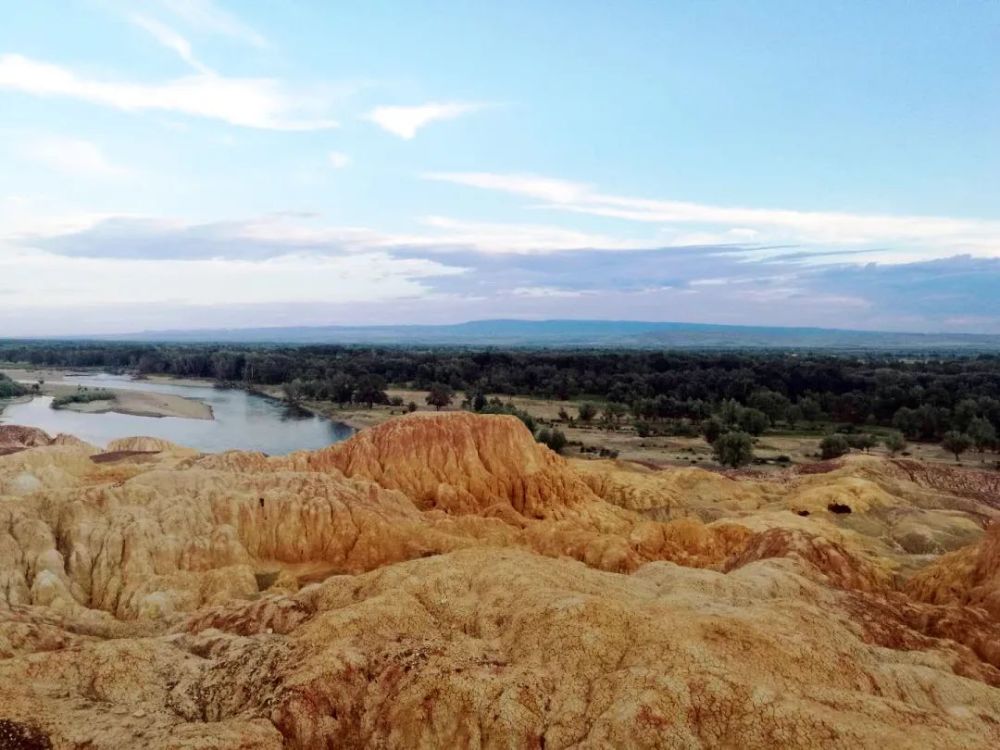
(445, 581)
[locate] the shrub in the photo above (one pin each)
(440, 395)
(711, 429)
(9, 388)
(833, 446)
(82, 396)
(983, 433)
(496, 407)
(733, 449)
(956, 442)
(554, 439)
(753, 421)
(862, 441)
(894, 443)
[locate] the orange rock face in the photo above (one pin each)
(444, 581)
(970, 576)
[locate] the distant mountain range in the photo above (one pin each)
(584, 333)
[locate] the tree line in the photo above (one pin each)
(926, 398)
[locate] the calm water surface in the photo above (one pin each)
(242, 421)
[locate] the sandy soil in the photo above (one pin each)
(20, 372)
(168, 380)
(143, 404)
(136, 403)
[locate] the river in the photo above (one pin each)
(243, 421)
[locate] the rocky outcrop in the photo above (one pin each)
(14, 438)
(967, 576)
(445, 581)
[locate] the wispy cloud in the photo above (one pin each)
(68, 282)
(249, 102)
(208, 17)
(516, 239)
(169, 39)
(338, 159)
(452, 269)
(911, 234)
(545, 292)
(72, 156)
(406, 121)
(278, 234)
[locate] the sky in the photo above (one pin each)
(183, 164)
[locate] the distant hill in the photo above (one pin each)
(584, 333)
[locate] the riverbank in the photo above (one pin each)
(135, 403)
(143, 404)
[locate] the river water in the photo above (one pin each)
(243, 421)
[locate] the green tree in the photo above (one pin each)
(293, 392)
(753, 421)
(833, 446)
(439, 395)
(613, 412)
(729, 412)
(894, 443)
(587, 411)
(370, 390)
(811, 410)
(340, 388)
(956, 442)
(476, 400)
(983, 434)
(965, 411)
(907, 421)
(554, 439)
(711, 429)
(773, 404)
(862, 441)
(411, 407)
(733, 449)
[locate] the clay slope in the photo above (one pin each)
(968, 576)
(444, 581)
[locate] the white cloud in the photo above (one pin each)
(532, 186)
(278, 234)
(72, 156)
(208, 17)
(169, 39)
(338, 159)
(515, 238)
(545, 292)
(406, 121)
(34, 279)
(738, 224)
(249, 102)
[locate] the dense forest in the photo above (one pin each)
(924, 398)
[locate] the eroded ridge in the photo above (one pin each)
(442, 580)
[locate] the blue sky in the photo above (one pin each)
(203, 163)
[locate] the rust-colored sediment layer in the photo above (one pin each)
(444, 581)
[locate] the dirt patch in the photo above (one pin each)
(15, 736)
(112, 456)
